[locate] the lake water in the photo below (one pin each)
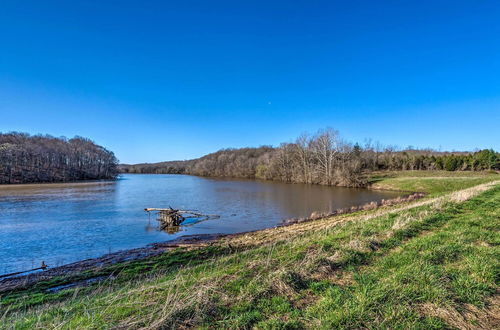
(62, 223)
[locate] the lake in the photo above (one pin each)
(62, 223)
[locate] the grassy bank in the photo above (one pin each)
(432, 263)
(432, 182)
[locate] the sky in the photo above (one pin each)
(166, 80)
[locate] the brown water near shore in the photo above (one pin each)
(64, 223)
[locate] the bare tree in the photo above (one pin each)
(303, 150)
(324, 147)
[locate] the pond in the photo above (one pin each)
(62, 223)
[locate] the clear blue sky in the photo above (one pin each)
(163, 80)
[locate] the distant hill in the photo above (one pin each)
(223, 163)
(28, 158)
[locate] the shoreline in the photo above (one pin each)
(78, 182)
(187, 241)
(122, 256)
(301, 266)
(368, 185)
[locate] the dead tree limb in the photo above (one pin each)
(171, 217)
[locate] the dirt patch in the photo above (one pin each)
(78, 284)
(305, 301)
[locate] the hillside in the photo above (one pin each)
(28, 158)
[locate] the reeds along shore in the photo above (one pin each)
(365, 207)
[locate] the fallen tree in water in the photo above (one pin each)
(173, 218)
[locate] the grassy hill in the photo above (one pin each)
(431, 263)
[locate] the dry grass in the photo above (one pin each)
(467, 316)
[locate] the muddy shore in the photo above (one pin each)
(23, 281)
(151, 250)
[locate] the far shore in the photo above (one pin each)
(57, 184)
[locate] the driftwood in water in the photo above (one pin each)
(42, 267)
(170, 218)
(173, 218)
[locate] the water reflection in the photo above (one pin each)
(171, 229)
(61, 223)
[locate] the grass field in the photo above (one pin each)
(433, 182)
(432, 263)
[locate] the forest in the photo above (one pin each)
(323, 158)
(28, 158)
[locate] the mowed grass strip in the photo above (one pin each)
(434, 183)
(421, 267)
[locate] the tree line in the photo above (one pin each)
(323, 158)
(44, 158)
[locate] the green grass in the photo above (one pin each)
(390, 270)
(432, 182)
